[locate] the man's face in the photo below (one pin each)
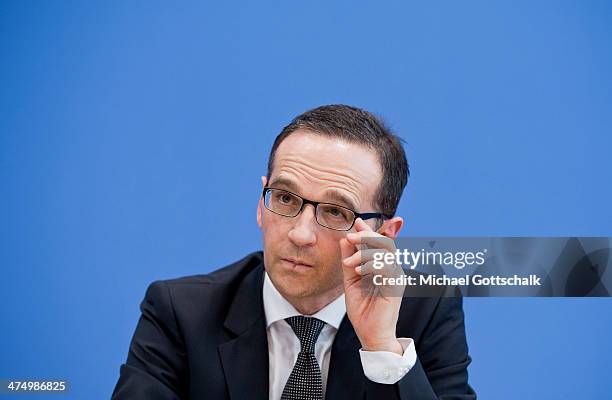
(302, 257)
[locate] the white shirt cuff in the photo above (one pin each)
(387, 367)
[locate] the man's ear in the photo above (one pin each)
(391, 227)
(264, 181)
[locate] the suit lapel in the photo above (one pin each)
(245, 358)
(345, 379)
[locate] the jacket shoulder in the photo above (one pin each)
(200, 303)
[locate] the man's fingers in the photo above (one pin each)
(366, 268)
(361, 257)
(349, 273)
(346, 248)
(371, 239)
(361, 226)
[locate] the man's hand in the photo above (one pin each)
(372, 309)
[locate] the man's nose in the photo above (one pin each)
(303, 232)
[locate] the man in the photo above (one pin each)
(296, 322)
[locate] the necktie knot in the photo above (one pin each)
(307, 329)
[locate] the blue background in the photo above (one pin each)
(133, 135)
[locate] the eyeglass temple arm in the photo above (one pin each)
(365, 216)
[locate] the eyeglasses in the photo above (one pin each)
(332, 216)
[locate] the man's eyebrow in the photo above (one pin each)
(332, 195)
(342, 200)
(289, 184)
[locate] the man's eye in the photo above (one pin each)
(285, 198)
(335, 212)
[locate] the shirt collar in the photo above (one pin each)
(278, 308)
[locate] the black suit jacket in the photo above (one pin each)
(204, 337)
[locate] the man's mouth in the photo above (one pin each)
(297, 263)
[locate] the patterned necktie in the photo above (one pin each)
(305, 381)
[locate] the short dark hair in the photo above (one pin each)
(355, 125)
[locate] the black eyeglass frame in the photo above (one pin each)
(363, 216)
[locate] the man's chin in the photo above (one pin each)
(295, 287)
(299, 286)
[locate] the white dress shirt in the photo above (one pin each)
(284, 346)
